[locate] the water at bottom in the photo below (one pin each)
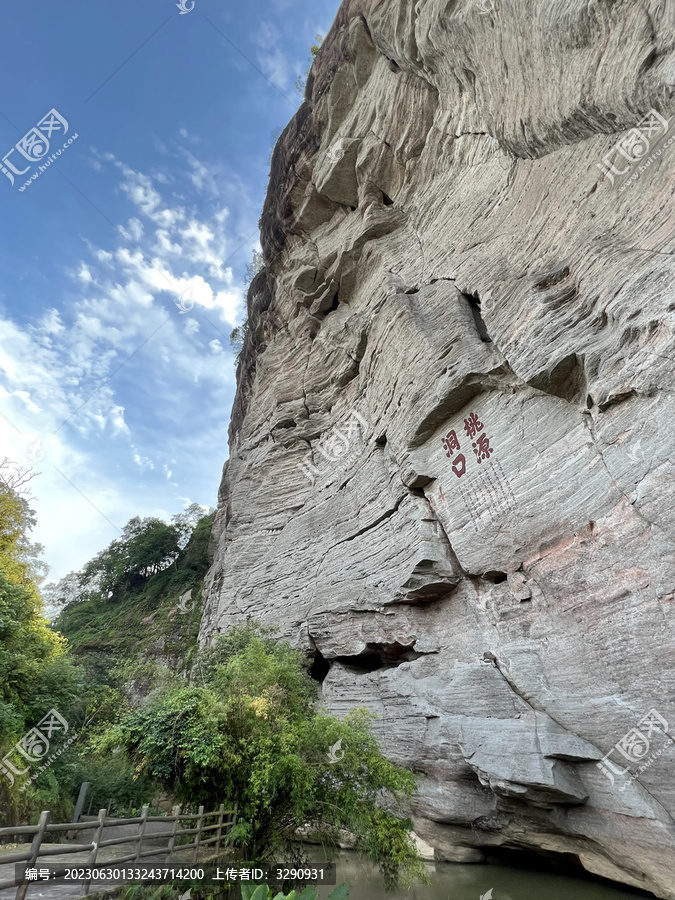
(450, 881)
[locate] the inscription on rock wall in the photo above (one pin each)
(487, 494)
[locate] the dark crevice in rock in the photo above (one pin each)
(559, 285)
(474, 304)
(378, 521)
(334, 305)
(379, 656)
(567, 379)
(615, 399)
(495, 577)
(319, 668)
(552, 278)
(386, 199)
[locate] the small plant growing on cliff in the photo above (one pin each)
(237, 337)
(301, 80)
(248, 729)
(239, 333)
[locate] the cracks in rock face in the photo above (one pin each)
(589, 425)
(386, 515)
(538, 707)
(474, 304)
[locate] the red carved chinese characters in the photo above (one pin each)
(459, 465)
(450, 443)
(482, 448)
(472, 426)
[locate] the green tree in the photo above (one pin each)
(186, 522)
(248, 730)
(36, 674)
(147, 546)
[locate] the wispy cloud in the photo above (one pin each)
(57, 369)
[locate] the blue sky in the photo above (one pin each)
(120, 400)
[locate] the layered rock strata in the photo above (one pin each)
(450, 475)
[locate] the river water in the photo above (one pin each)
(450, 881)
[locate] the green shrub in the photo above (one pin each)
(248, 730)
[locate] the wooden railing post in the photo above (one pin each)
(141, 832)
(172, 840)
(221, 816)
(43, 821)
(94, 847)
(200, 820)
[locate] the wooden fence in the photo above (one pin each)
(225, 820)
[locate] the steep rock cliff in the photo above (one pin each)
(450, 475)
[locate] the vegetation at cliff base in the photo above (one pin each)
(36, 673)
(248, 728)
(150, 714)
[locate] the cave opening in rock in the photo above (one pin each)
(495, 577)
(319, 667)
(474, 305)
(379, 656)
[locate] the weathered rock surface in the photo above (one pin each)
(454, 423)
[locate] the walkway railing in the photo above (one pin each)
(225, 820)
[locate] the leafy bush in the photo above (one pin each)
(248, 730)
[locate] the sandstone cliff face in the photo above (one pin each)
(453, 429)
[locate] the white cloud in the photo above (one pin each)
(110, 382)
(271, 58)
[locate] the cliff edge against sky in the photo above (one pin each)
(450, 474)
